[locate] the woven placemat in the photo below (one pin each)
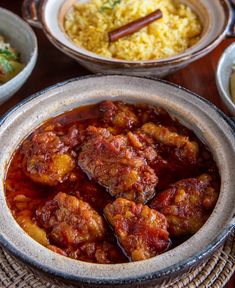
(213, 273)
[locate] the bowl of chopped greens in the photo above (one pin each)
(18, 53)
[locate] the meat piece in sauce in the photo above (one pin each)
(114, 163)
(186, 204)
(70, 221)
(46, 159)
(186, 149)
(141, 231)
(102, 252)
(118, 114)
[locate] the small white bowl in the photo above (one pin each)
(223, 74)
(22, 38)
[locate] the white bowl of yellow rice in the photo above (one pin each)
(188, 30)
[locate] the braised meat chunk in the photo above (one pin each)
(46, 159)
(187, 149)
(102, 252)
(115, 164)
(118, 114)
(187, 204)
(70, 221)
(141, 231)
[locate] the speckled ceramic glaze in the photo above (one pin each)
(50, 13)
(224, 71)
(209, 124)
(20, 35)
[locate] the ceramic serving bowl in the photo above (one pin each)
(223, 74)
(215, 129)
(20, 35)
(48, 13)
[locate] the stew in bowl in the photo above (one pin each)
(130, 177)
(131, 168)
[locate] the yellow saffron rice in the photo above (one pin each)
(88, 24)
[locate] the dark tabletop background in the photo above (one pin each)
(53, 66)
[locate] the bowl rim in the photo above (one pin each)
(148, 276)
(226, 98)
(131, 64)
(33, 55)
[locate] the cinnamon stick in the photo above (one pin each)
(134, 26)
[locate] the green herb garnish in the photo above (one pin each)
(110, 5)
(5, 65)
(8, 54)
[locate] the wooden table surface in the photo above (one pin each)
(53, 66)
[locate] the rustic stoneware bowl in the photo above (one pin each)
(209, 124)
(215, 15)
(223, 74)
(20, 35)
